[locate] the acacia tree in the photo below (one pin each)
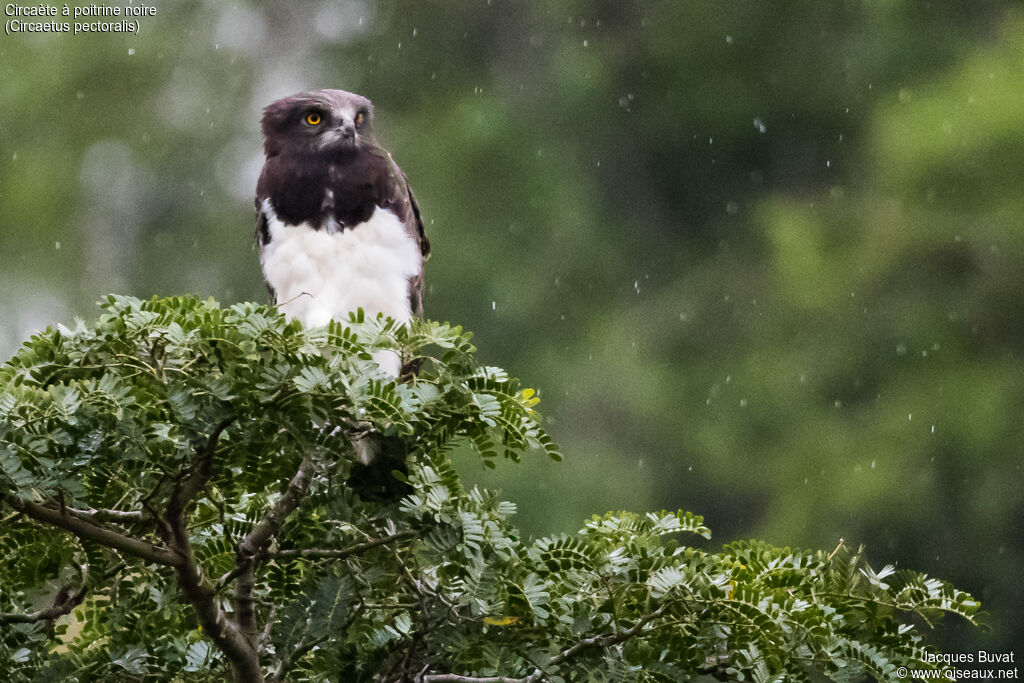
(180, 499)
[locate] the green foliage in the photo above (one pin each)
(236, 428)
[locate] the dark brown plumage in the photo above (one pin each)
(325, 172)
(338, 230)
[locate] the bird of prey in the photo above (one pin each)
(337, 226)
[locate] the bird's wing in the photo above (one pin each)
(263, 234)
(403, 202)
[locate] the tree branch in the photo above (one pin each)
(336, 553)
(561, 658)
(186, 491)
(86, 530)
(120, 516)
(255, 540)
(455, 678)
(240, 652)
(314, 554)
(225, 634)
(301, 648)
(305, 645)
(602, 641)
(63, 603)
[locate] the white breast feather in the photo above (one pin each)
(320, 275)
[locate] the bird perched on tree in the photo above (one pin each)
(338, 229)
(337, 226)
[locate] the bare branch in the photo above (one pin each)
(184, 492)
(560, 658)
(603, 641)
(253, 543)
(261, 645)
(455, 678)
(305, 645)
(314, 554)
(63, 603)
(120, 516)
(225, 634)
(335, 553)
(236, 646)
(87, 530)
(300, 649)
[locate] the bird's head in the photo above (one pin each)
(317, 122)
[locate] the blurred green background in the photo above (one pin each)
(763, 261)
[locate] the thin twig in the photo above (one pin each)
(63, 602)
(335, 553)
(561, 658)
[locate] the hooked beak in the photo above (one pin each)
(340, 137)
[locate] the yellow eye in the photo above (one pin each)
(313, 119)
(360, 117)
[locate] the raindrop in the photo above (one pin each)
(743, 403)
(414, 31)
(131, 51)
(56, 245)
(910, 416)
(933, 429)
(728, 39)
(759, 125)
(494, 305)
(873, 464)
(585, 43)
(14, 157)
